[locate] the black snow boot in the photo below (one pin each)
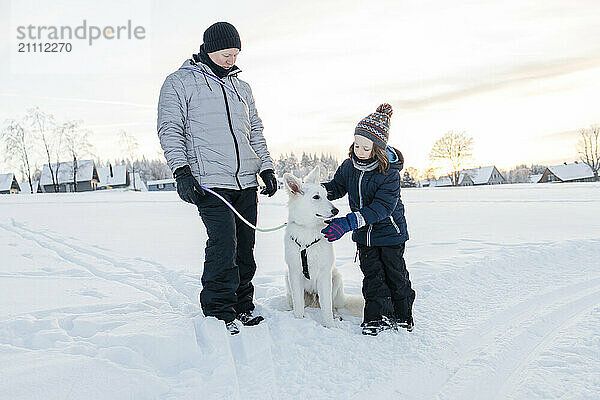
(372, 328)
(232, 328)
(407, 323)
(247, 319)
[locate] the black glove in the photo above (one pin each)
(188, 187)
(268, 177)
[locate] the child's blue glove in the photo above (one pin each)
(339, 226)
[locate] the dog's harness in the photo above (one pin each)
(303, 255)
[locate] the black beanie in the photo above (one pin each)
(220, 36)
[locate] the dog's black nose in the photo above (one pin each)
(335, 211)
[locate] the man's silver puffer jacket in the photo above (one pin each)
(211, 124)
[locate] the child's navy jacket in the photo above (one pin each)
(376, 196)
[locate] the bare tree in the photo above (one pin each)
(159, 170)
(519, 174)
(76, 143)
(454, 147)
(44, 127)
(130, 147)
(589, 151)
(414, 173)
(429, 173)
(17, 146)
(536, 169)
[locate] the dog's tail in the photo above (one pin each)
(355, 304)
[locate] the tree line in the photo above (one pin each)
(39, 136)
(455, 148)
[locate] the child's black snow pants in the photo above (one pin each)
(386, 285)
(229, 264)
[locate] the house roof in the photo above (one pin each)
(139, 183)
(161, 181)
(535, 178)
(427, 181)
(570, 172)
(25, 187)
(480, 175)
(464, 177)
(6, 181)
(85, 172)
(442, 181)
(119, 176)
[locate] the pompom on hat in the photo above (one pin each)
(376, 126)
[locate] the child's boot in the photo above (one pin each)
(372, 328)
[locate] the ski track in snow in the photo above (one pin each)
(491, 356)
(171, 292)
(494, 320)
(157, 281)
(582, 309)
(510, 340)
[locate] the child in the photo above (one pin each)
(371, 177)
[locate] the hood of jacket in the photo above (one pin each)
(217, 70)
(195, 62)
(396, 158)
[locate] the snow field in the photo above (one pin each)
(99, 300)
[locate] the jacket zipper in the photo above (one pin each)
(394, 223)
(359, 191)
(235, 142)
(360, 203)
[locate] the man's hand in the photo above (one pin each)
(188, 188)
(339, 226)
(268, 177)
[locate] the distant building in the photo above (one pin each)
(443, 181)
(9, 184)
(535, 178)
(87, 177)
(426, 183)
(139, 183)
(481, 176)
(465, 180)
(163, 184)
(575, 172)
(25, 189)
(468, 177)
(119, 177)
(113, 177)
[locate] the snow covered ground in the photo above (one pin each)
(98, 300)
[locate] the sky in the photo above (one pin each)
(520, 77)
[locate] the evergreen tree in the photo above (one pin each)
(407, 180)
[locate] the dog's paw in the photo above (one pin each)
(298, 314)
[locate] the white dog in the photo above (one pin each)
(312, 278)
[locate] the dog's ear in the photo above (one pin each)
(313, 176)
(292, 184)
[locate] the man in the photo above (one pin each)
(212, 136)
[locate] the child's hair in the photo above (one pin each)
(379, 154)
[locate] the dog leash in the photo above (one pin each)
(244, 220)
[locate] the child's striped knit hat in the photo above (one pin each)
(376, 126)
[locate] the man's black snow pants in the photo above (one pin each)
(229, 264)
(386, 285)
